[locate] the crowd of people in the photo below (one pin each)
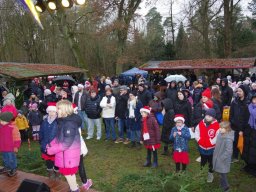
(216, 116)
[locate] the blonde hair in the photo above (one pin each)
(225, 125)
(65, 108)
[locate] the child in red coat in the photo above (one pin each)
(150, 135)
(9, 143)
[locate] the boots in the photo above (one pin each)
(165, 152)
(210, 177)
(57, 174)
(148, 162)
(155, 163)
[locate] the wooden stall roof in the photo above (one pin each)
(24, 71)
(234, 63)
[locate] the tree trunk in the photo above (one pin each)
(227, 28)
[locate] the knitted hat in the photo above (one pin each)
(207, 93)
(211, 112)
(179, 117)
(244, 90)
(34, 106)
(87, 84)
(47, 92)
(208, 104)
(6, 116)
(51, 107)
(146, 109)
(123, 87)
(80, 86)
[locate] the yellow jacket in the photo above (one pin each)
(21, 122)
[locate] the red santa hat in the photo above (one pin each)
(75, 108)
(51, 107)
(207, 93)
(52, 89)
(146, 109)
(179, 117)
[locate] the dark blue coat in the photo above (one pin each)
(47, 133)
(35, 118)
(92, 107)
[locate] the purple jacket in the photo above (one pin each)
(67, 145)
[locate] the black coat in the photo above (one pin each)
(171, 93)
(92, 107)
(220, 106)
(249, 150)
(145, 96)
(239, 114)
(82, 100)
(197, 95)
(184, 107)
(226, 94)
(121, 106)
(168, 120)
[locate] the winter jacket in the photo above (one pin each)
(10, 108)
(92, 107)
(137, 124)
(66, 146)
(47, 133)
(199, 113)
(82, 100)
(21, 122)
(249, 150)
(180, 142)
(116, 90)
(220, 107)
(9, 137)
(121, 106)
(226, 93)
(35, 118)
(171, 93)
(155, 106)
(197, 94)
(108, 111)
(168, 123)
(153, 130)
(184, 107)
(145, 96)
(223, 152)
(239, 114)
(206, 135)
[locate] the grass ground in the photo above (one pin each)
(117, 168)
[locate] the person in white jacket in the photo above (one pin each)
(108, 105)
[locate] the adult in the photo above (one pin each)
(144, 95)
(171, 91)
(155, 103)
(239, 117)
(116, 87)
(201, 80)
(101, 86)
(226, 92)
(183, 106)
(79, 100)
(249, 149)
(108, 105)
(197, 93)
(93, 110)
(122, 112)
(218, 82)
(188, 86)
(216, 98)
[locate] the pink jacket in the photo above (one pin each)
(66, 146)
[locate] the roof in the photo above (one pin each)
(236, 63)
(24, 71)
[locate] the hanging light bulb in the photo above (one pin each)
(80, 2)
(66, 3)
(52, 4)
(40, 7)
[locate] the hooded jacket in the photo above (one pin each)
(226, 93)
(184, 107)
(92, 107)
(67, 145)
(223, 152)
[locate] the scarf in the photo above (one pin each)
(252, 119)
(145, 126)
(132, 107)
(108, 98)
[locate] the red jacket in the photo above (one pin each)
(208, 135)
(9, 137)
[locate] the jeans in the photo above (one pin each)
(134, 128)
(110, 127)
(91, 123)
(224, 181)
(122, 123)
(10, 160)
(205, 159)
(84, 118)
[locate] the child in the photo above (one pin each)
(223, 153)
(35, 118)
(180, 135)
(205, 134)
(67, 145)
(9, 143)
(22, 124)
(48, 131)
(134, 119)
(150, 135)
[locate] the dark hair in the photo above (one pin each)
(216, 94)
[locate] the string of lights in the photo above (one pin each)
(42, 5)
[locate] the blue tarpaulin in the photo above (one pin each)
(135, 71)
